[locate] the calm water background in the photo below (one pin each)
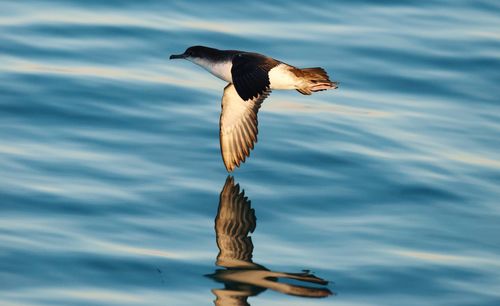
(110, 170)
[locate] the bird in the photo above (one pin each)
(251, 77)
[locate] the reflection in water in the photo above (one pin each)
(242, 277)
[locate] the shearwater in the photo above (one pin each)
(251, 77)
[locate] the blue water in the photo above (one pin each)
(110, 169)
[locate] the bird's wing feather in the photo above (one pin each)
(250, 74)
(238, 126)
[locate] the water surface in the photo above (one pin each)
(111, 174)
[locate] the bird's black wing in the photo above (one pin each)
(250, 73)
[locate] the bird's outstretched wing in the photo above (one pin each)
(238, 126)
(250, 74)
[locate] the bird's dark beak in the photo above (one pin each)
(174, 56)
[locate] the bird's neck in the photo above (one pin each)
(220, 67)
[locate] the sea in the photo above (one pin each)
(385, 191)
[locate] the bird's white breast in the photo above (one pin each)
(222, 70)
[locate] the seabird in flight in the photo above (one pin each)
(251, 77)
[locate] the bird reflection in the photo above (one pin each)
(242, 277)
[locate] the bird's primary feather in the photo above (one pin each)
(238, 126)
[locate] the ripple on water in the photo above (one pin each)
(111, 170)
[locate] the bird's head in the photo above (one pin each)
(193, 53)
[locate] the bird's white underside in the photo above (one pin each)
(280, 77)
(222, 70)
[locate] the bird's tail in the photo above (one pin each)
(314, 79)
